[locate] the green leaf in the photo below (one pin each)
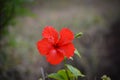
(55, 76)
(63, 74)
(78, 35)
(75, 71)
(77, 53)
(70, 74)
(104, 77)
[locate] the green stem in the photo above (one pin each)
(66, 69)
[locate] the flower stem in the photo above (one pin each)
(66, 69)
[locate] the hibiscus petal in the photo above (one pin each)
(54, 57)
(68, 50)
(66, 36)
(44, 46)
(50, 33)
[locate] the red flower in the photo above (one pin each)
(56, 47)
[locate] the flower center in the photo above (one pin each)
(56, 46)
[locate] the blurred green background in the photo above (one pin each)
(21, 24)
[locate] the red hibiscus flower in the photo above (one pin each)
(55, 47)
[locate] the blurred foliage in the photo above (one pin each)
(105, 77)
(9, 9)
